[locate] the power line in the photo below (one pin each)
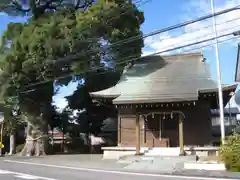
(197, 30)
(177, 25)
(207, 34)
(205, 27)
(173, 27)
(197, 38)
(185, 51)
(134, 59)
(131, 39)
(138, 3)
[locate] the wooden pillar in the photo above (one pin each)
(137, 135)
(180, 134)
(119, 130)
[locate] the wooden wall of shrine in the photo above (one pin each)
(196, 126)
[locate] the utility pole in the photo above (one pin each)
(220, 94)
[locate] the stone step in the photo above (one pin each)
(163, 151)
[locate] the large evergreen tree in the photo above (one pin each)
(37, 8)
(59, 43)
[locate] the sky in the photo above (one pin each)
(160, 14)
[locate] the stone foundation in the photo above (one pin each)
(117, 152)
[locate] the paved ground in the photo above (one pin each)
(10, 175)
(87, 168)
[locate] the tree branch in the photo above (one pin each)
(19, 7)
(48, 5)
(84, 5)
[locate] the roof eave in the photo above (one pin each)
(232, 87)
(152, 101)
(110, 96)
(105, 93)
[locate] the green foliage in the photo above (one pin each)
(36, 8)
(230, 152)
(117, 23)
(12, 117)
(102, 79)
(30, 58)
(2, 61)
(60, 120)
(40, 50)
(64, 33)
(90, 114)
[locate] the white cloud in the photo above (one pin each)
(203, 30)
(59, 99)
(60, 102)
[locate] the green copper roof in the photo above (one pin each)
(163, 79)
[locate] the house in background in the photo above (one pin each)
(231, 119)
(230, 116)
(164, 102)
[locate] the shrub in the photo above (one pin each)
(230, 152)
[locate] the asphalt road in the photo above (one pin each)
(19, 171)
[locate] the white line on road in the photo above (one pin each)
(24, 176)
(117, 172)
(4, 172)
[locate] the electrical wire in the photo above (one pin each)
(138, 3)
(121, 42)
(70, 57)
(126, 60)
(189, 22)
(134, 59)
(200, 29)
(203, 36)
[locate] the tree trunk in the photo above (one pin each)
(37, 109)
(12, 149)
(36, 141)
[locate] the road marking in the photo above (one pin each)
(117, 172)
(24, 176)
(4, 172)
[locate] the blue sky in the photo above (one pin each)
(160, 14)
